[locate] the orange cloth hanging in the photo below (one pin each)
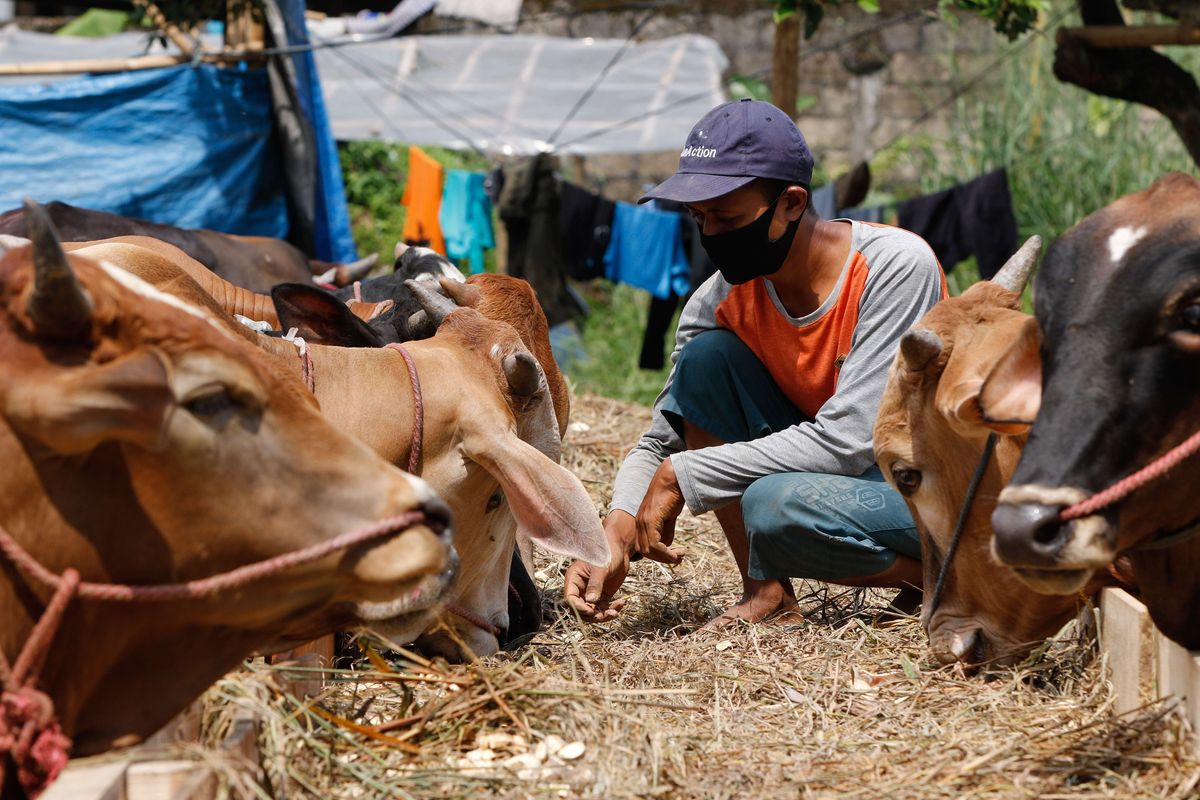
(423, 198)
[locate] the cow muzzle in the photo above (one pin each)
(1051, 556)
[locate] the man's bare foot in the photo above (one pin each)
(765, 600)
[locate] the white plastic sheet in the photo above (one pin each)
(498, 93)
(509, 94)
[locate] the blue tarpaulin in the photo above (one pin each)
(332, 238)
(190, 146)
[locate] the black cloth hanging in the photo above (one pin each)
(662, 311)
(973, 218)
(529, 208)
(585, 221)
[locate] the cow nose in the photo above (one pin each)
(1029, 534)
(438, 513)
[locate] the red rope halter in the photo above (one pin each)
(1127, 486)
(418, 434)
(414, 464)
(29, 731)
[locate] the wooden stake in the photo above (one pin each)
(785, 80)
(1118, 36)
(92, 65)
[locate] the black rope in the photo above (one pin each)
(963, 514)
(612, 62)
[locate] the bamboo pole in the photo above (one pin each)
(1119, 36)
(93, 65)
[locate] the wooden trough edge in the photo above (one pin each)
(143, 773)
(1145, 666)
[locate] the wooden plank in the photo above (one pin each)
(1193, 699)
(1121, 638)
(1118, 36)
(90, 780)
(164, 780)
(306, 683)
(1173, 670)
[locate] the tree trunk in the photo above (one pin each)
(1138, 75)
(785, 77)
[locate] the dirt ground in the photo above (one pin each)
(837, 706)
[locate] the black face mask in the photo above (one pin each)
(746, 253)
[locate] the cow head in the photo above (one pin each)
(491, 443)
(929, 435)
(1110, 368)
(412, 263)
(143, 443)
(510, 478)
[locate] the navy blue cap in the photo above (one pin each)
(732, 145)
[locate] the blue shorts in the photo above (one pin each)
(799, 524)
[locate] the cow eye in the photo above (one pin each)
(211, 404)
(216, 402)
(907, 480)
(1189, 316)
(1185, 334)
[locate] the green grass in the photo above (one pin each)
(375, 174)
(612, 338)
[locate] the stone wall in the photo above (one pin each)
(870, 77)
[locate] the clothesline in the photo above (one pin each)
(558, 230)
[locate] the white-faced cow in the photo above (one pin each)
(142, 443)
(1111, 369)
(929, 437)
(493, 417)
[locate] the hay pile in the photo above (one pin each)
(836, 706)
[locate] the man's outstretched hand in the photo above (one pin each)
(589, 589)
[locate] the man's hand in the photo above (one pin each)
(589, 589)
(657, 514)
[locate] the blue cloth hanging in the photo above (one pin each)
(646, 251)
(465, 217)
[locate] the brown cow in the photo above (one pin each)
(929, 436)
(491, 438)
(255, 262)
(143, 444)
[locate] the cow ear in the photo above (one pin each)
(73, 410)
(319, 317)
(959, 401)
(369, 311)
(1012, 392)
(549, 503)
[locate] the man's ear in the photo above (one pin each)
(320, 317)
(798, 199)
(73, 410)
(1012, 392)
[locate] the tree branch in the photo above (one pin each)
(1138, 75)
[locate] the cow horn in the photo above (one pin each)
(521, 370)
(436, 305)
(58, 306)
(920, 347)
(1015, 272)
(357, 270)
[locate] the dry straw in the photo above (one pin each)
(839, 706)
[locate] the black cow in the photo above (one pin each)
(1112, 361)
(254, 262)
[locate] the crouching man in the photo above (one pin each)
(779, 364)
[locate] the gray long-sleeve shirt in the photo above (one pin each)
(832, 363)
